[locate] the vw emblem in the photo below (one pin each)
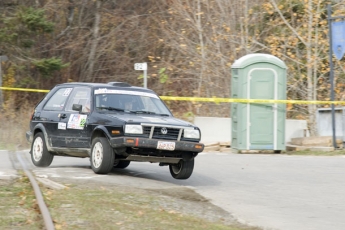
(164, 130)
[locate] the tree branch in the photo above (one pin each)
(286, 22)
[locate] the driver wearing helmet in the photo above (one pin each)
(128, 105)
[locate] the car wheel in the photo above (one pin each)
(121, 164)
(182, 170)
(39, 152)
(102, 156)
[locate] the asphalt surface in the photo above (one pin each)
(7, 169)
(271, 191)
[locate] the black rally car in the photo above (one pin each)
(113, 124)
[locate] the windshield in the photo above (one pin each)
(131, 103)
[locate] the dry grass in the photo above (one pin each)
(103, 207)
(18, 208)
(14, 122)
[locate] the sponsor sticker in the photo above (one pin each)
(76, 121)
(62, 125)
(67, 92)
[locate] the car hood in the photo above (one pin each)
(149, 119)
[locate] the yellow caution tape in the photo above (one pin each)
(213, 99)
(218, 100)
(27, 90)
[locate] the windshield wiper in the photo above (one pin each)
(149, 112)
(142, 111)
(110, 108)
(163, 114)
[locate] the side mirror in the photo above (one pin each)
(77, 107)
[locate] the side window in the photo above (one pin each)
(58, 100)
(81, 96)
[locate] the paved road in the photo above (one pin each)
(7, 169)
(271, 191)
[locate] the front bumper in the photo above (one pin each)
(138, 142)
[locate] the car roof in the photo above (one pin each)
(110, 85)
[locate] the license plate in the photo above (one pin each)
(166, 145)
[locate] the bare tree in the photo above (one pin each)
(89, 67)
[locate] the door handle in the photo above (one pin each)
(63, 116)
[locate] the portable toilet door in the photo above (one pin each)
(262, 119)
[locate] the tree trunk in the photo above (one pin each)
(310, 77)
(202, 49)
(94, 44)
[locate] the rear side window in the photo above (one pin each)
(58, 100)
(81, 96)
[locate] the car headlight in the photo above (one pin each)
(191, 133)
(134, 129)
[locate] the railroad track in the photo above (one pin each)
(19, 162)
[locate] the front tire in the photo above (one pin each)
(102, 156)
(39, 153)
(183, 170)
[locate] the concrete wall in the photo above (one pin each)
(214, 129)
(324, 122)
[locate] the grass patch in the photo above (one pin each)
(18, 207)
(113, 208)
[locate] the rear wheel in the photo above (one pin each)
(102, 156)
(121, 164)
(183, 170)
(39, 152)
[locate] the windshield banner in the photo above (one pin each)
(114, 91)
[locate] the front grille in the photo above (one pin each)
(171, 133)
(146, 131)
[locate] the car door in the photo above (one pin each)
(72, 126)
(50, 114)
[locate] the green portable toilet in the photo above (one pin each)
(258, 126)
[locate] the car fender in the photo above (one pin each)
(40, 128)
(100, 128)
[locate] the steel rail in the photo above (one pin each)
(48, 222)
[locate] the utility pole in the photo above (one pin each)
(336, 28)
